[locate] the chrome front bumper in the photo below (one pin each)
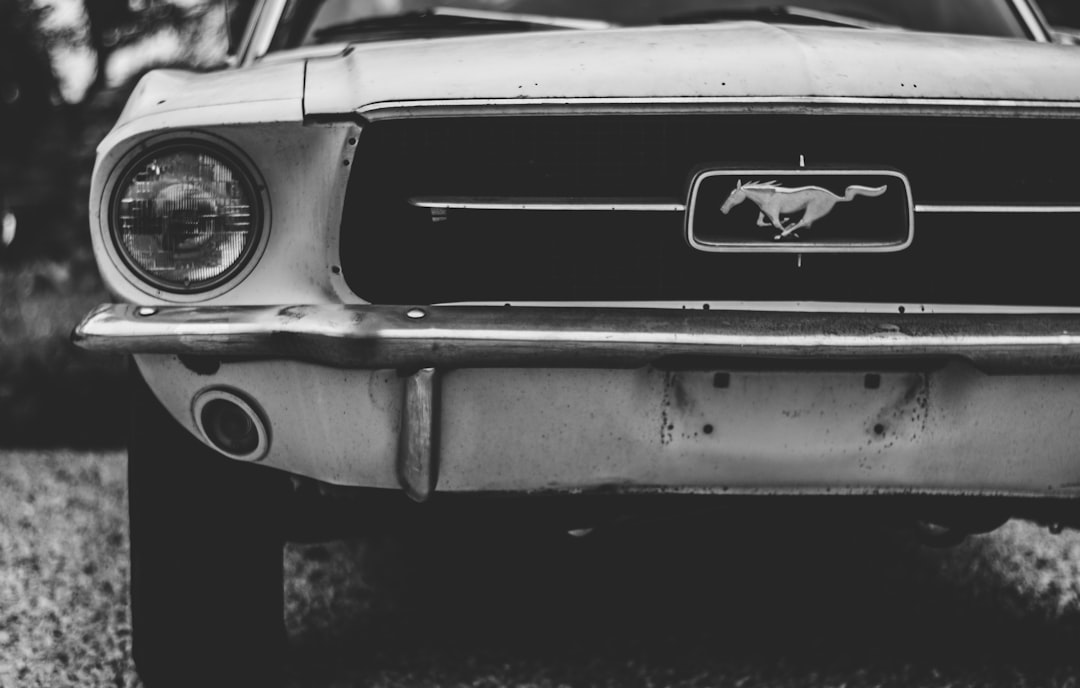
(374, 337)
(527, 399)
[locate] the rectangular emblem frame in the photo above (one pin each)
(796, 247)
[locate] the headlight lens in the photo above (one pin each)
(186, 218)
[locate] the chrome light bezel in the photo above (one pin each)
(250, 408)
(245, 172)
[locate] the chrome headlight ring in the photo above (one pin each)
(187, 217)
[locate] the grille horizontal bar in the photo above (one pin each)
(668, 205)
(1000, 209)
(550, 204)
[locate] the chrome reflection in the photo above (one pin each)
(381, 337)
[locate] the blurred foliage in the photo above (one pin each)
(30, 115)
(115, 24)
(28, 88)
(46, 143)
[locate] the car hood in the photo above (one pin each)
(276, 90)
(729, 60)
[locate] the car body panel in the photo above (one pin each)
(734, 60)
(952, 430)
(275, 92)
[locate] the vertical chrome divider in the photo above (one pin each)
(418, 442)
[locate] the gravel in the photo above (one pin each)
(661, 605)
(63, 571)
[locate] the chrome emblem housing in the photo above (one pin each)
(799, 211)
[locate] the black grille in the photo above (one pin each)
(393, 252)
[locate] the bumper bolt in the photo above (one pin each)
(146, 311)
(415, 313)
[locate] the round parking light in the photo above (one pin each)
(231, 425)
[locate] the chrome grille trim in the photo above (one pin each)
(548, 204)
(1003, 209)
(667, 205)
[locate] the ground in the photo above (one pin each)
(672, 604)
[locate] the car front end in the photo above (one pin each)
(737, 258)
(516, 259)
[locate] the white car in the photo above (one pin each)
(576, 254)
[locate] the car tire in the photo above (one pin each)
(206, 557)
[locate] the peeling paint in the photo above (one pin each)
(906, 418)
(666, 435)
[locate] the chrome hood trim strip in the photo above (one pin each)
(782, 105)
(456, 336)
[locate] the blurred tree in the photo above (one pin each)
(28, 88)
(115, 24)
(28, 94)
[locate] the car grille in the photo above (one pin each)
(393, 251)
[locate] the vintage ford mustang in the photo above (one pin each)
(498, 252)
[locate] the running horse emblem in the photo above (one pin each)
(775, 202)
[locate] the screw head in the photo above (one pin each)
(415, 313)
(146, 311)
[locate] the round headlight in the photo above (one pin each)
(185, 217)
